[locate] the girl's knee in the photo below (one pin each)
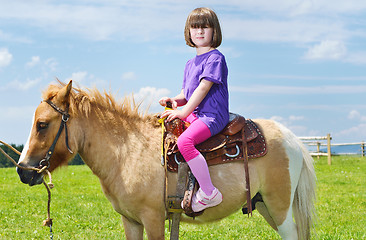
(187, 148)
(184, 143)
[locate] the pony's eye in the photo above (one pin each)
(41, 126)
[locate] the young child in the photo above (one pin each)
(204, 96)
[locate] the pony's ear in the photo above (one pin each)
(64, 93)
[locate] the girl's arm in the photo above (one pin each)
(198, 95)
(176, 101)
(180, 99)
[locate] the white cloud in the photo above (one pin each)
(33, 62)
(332, 50)
(298, 7)
(6, 37)
(355, 115)
(301, 78)
(149, 96)
(24, 85)
(287, 121)
(324, 8)
(97, 21)
(295, 118)
(230, 52)
(78, 76)
(278, 30)
(357, 132)
(294, 124)
(85, 79)
(14, 113)
(272, 89)
(278, 119)
(5, 57)
(287, 21)
(129, 76)
(302, 8)
(51, 63)
(356, 58)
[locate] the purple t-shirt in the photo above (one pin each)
(214, 108)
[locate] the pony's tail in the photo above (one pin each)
(304, 199)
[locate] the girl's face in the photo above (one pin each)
(201, 37)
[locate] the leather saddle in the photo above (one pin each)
(240, 140)
(225, 147)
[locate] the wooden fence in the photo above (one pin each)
(326, 141)
(362, 144)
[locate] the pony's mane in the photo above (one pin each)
(86, 101)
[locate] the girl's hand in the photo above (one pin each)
(173, 114)
(163, 102)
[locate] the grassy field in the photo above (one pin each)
(80, 210)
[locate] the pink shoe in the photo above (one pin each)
(201, 201)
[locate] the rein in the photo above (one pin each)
(49, 185)
(44, 164)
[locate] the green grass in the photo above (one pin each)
(80, 210)
(341, 198)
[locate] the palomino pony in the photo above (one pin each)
(122, 147)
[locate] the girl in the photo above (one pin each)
(204, 96)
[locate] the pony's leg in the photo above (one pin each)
(272, 212)
(133, 230)
(154, 226)
(287, 229)
(262, 209)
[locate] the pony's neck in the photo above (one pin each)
(113, 142)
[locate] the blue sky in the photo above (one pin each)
(302, 63)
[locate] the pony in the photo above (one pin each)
(121, 146)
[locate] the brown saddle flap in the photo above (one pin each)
(227, 146)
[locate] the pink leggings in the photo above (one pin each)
(196, 133)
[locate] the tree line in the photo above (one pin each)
(5, 162)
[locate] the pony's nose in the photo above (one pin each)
(21, 175)
(19, 170)
(24, 175)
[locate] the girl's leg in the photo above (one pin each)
(208, 195)
(196, 133)
(199, 168)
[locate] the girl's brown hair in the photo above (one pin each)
(201, 18)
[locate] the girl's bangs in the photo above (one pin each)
(200, 21)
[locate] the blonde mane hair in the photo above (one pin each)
(92, 100)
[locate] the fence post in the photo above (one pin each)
(318, 149)
(329, 150)
(363, 149)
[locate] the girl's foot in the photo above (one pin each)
(201, 201)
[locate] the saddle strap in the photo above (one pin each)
(246, 169)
